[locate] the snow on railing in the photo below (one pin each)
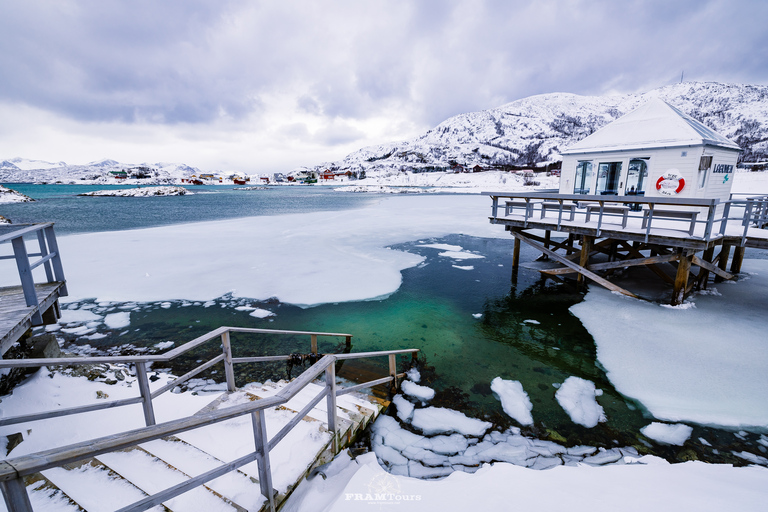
(594, 211)
(13, 471)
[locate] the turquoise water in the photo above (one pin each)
(471, 325)
(73, 214)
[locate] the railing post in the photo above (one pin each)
(330, 389)
(724, 220)
(262, 457)
(393, 371)
(229, 371)
(25, 275)
(43, 254)
(58, 269)
(313, 342)
(710, 221)
(15, 495)
(495, 207)
(141, 374)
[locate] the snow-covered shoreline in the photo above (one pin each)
(139, 192)
(8, 195)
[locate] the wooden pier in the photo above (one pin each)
(670, 234)
(30, 304)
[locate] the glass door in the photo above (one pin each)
(637, 175)
(608, 178)
(583, 179)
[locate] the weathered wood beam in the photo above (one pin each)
(582, 271)
(722, 260)
(615, 264)
(652, 266)
(738, 258)
(704, 274)
(711, 268)
(681, 279)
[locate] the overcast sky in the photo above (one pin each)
(260, 86)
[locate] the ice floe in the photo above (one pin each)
(577, 397)
(514, 400)
(676, 434)
(423, 393)
(118, 320)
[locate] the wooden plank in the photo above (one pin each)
(711, 268)
(615, 264)
(582, 271)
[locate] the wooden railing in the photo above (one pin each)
(13, 471)
(532, 206)
(755, 213)
(49, 258)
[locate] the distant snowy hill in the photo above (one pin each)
(535, 129)
(20, 170)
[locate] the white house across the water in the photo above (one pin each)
(654, 151)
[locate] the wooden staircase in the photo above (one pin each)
(113, 480)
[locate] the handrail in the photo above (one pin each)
(143, 362)
(12, 471)
(49, 258)
(534, 199)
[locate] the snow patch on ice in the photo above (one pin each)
(514, 400)
(577, 397)
(423, 393)
(676, 434)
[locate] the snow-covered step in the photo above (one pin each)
(94, 487)
(153, 475)
(241, 489)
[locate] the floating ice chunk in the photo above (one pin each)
(75, 316)
(546, 462)
(96, 336)
(531, 321)
(444, 445)
(413, 374)
(580, 450)
(460, 267)
(676, 434)
(437, 420)
(485, 451)
(52, 327)
(244, 308)
(577, 397)
(118, 320)
(460, 255)
(751, 457)
(77, 331)
(443, 247)
(165, 305)
(477, 315)
(423, 393)
(404, 408)
(604, 457)
(514, 400)
(393, 435)
(417, 470)
(261, 313)
(164, 345)
(389, 455)
(705, 442)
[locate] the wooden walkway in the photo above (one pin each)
(16, 317)
(30, 304)
(634, 231)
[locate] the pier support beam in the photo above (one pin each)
(681, 279)
(738, 258)
(586, 248)
(516, 253)
(722, 260)
(708, 255)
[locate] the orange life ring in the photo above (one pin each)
(670, 183)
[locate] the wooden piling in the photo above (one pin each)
(586, 248)
(681, 279)
(738, 258)
(722, 259)
(516, 253)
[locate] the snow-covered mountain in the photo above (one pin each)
(20, 170)
(535, 129)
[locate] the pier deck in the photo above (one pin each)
(16, 317)
(634, 231)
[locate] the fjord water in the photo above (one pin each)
(473, 319)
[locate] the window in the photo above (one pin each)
(636, 177)
(608, 174)
(705, 163)
(583, 178)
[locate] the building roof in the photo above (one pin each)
(655, 124)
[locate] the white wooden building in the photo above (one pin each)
(654, 151)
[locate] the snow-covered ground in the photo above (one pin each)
(704, 363)
(8, 195)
